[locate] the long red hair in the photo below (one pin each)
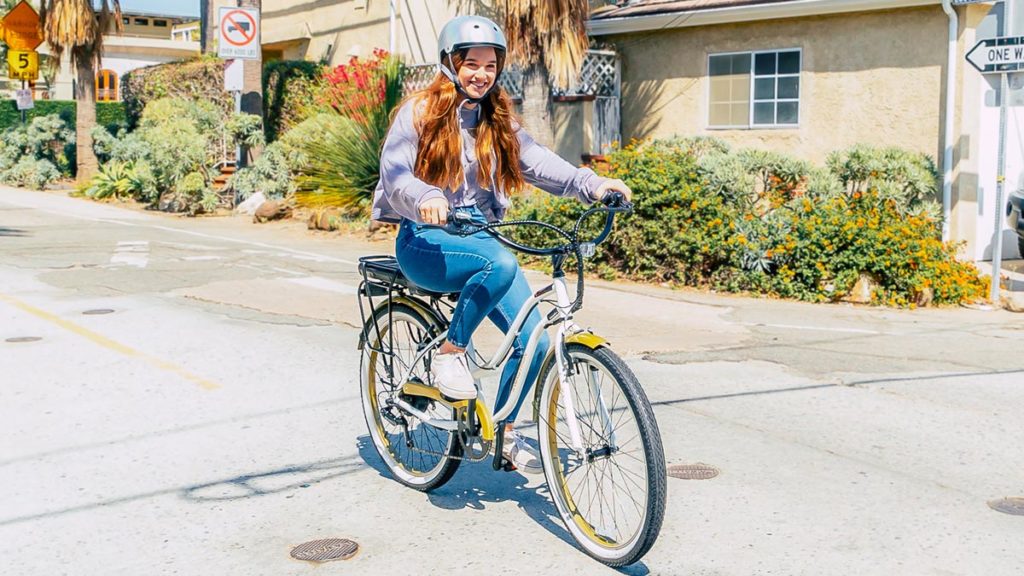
(437, 158)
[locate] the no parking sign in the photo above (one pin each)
(239, 34)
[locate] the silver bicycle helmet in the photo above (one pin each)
(467, 32)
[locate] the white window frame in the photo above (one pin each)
(750, 125)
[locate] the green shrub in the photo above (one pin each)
(30, 172)
(763, 222)
(201, 79)
(287, 86)
(36, 154)
(108, 114)
(678, 231)
(173, 152)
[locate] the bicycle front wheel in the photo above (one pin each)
(611, 494)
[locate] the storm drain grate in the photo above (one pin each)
(325, 550)
(98, 311)
(1013, 506)
(21, 339)
(697, 471)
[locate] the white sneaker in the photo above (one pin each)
(521, 454)
(450, 373)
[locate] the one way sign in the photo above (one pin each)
(998, 55)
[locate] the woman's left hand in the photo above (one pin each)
(613, 185)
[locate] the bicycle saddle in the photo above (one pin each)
(385, 269)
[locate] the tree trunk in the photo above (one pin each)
(207, 26)
(85, 119)
(537, 111)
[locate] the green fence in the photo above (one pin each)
(107, 113)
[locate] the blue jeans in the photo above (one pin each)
(490, 283)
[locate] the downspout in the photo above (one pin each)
(391, 27)
(947, 156)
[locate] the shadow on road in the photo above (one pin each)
(18, 232)
(476, 484)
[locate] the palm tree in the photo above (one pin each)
(552, 33)
(547, 40)
(75, 26)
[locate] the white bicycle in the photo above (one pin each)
(599, 441)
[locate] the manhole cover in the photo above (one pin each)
(325, 550)
(1013, 506)
(98, 311)
(21, 339)
(692, 471)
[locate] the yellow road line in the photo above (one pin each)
(108, 343)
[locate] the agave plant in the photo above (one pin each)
(343, 160)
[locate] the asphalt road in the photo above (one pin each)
(210, 421)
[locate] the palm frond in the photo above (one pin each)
(551, 31)
(76, 26)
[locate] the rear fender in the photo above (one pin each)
(418, 305)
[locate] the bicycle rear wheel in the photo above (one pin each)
(417, 454)
(612, 496)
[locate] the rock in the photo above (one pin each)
(862, 290)
(272, 210)
(250, 204)
(924, 297)
(1013, 301)
(322, 220)
(170, 202)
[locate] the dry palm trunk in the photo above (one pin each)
(74, 25)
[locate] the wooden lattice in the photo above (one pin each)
(598, 77)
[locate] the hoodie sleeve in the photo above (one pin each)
(549, 172)
(401, 188)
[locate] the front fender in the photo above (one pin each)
(588, 339)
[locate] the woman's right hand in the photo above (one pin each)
(434, 211)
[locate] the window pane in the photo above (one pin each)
(720, 91)
(789, 87)
(741, 89)
(741, 64)
(788, 113)
(719, 65)
(740, 114)
(764, 88)
(720, 115)
(789, 62)
(764, 113)
(764, 64)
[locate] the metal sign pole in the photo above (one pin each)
(1004, 97)
(23, 110)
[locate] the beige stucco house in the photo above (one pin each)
(148, 38)
(806, 77)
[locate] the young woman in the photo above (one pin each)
(455, 146)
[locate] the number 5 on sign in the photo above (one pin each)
(23, 64)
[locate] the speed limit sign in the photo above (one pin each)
(23, 64)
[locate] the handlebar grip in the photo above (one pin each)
(613, 199)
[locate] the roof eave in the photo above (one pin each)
(734, 14)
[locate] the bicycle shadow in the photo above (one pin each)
(477, 484)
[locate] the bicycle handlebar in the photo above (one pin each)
(612, 204)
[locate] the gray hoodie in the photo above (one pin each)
(399, 192)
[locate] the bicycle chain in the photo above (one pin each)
(485, 444)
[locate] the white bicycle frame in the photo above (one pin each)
(563, 304)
